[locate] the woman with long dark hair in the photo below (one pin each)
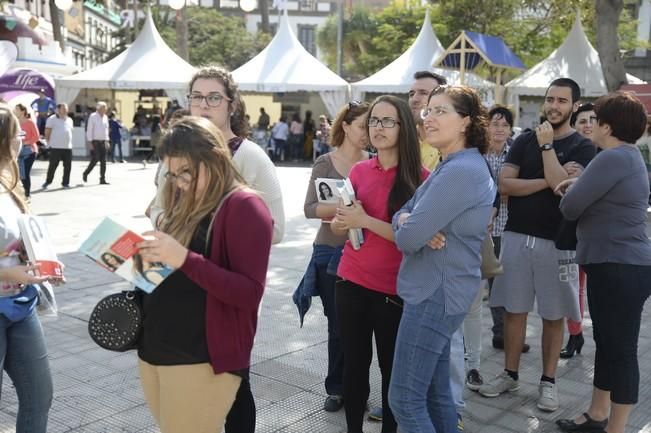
(366, 299)
(609, 200)
(349, 139)
(200, 322)
(23, 354)
(439, 285)
(29, 150)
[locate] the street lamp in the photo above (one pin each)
(64, 5)
(176, 4)
(248, 5)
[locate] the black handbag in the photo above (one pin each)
(116, 321)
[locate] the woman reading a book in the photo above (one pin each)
(200, 321)
(366, 299)
(23, 354)
(349, 139)
(438, 286)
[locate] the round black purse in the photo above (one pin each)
(116, 321)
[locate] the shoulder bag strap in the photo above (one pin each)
(214, 217)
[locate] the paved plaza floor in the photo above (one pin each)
(99, 391)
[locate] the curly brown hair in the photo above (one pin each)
(466, 102)
(236, 106)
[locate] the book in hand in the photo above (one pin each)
(113, 247)
(327, 191)
(355, 236)
(40, 250)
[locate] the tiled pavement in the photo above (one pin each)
(99, 391)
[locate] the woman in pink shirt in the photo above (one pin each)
(366, 298)
(28, 151)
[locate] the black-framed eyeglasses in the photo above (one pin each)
(185, 177)
(385, 122)
(212, 100)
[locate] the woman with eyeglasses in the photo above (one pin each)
(29, 150)
(214, 96)
(200, 322)
(349, 139)
(366, 301)
(439, 285)
(609, 200)
(583, 121)
(23, 353)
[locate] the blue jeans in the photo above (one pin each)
(23, 356)
(334, 379)
(419, 394)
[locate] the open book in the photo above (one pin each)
(38, 246)
(355, 236)
(113, 247)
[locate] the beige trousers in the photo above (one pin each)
(188, 398)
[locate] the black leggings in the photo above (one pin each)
(361, 313)
(616, 296)
(241, 418)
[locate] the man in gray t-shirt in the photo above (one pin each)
(58, 133)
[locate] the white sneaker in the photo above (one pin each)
(548, 396)
(498, 385)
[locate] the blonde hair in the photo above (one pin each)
(198, 141)
(8, 165)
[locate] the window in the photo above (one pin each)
(307, 36)
(307, 5)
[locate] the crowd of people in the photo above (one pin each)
(436, 180)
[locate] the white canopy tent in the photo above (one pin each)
(575, 59)
(147, 64)
(398, 76)
(285, 66)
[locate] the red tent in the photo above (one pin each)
(642, 91)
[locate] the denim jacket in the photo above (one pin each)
(308, 286)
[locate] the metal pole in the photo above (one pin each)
(340, 35)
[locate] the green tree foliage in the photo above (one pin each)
(213, 37)
(531, 28)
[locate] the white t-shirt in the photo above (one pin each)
(10, 243)
(61, 135)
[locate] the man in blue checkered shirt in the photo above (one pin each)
(499, 132)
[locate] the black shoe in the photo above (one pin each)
(474, 380)
(574, 344)
(84, 177)
(375, 414)
(333, 403)
(589, 425)
(103, 182)
(498, 343)
(45, 185)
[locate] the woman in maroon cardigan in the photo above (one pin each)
(200, 322)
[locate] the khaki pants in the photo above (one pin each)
(188, 398)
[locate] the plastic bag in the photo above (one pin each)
(47, 304)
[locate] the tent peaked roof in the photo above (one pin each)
(285, 66)
(418, 57)
(398, 76)
(576, 58)
(147, 64)
(478, 48)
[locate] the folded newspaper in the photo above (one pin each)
(355, 236)
(113, 247)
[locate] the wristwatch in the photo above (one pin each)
(546, 146)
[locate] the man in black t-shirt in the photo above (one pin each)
(534, 269)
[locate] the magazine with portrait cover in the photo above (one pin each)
(113, 247)
(40, 250)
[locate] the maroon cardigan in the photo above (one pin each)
(233, 277)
